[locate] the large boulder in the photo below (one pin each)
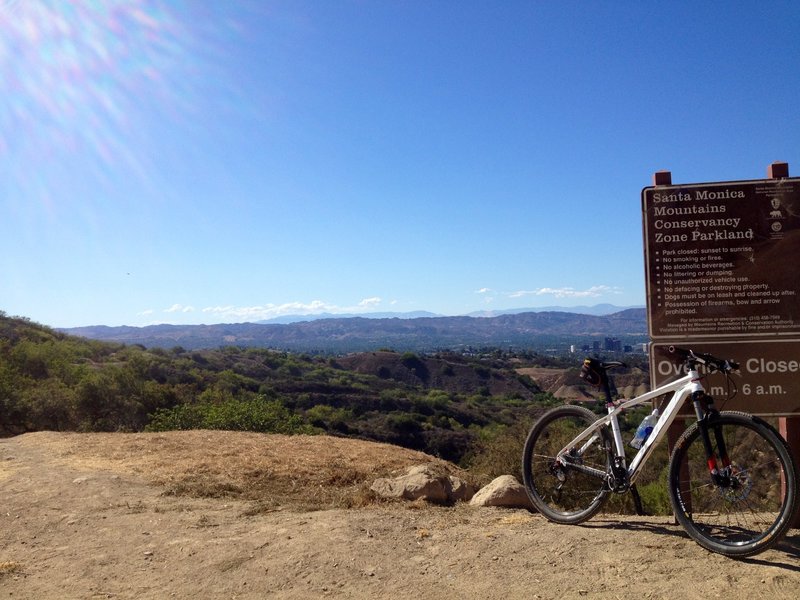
(504, 491)
(423, 482)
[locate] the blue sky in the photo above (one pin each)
(195, 162)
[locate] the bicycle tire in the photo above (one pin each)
(562, 494)
(752, 509)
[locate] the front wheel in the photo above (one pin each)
(749, 503)
(571, 489)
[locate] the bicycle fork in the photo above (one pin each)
(719, 463)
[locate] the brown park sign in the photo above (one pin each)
(721, 259)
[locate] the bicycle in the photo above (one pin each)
(732, 479)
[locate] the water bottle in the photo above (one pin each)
(645, 429)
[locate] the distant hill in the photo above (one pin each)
(532, 330)
(448, 372)
(286, 319)
(597, 310)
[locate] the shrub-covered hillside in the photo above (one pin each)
(440, 404)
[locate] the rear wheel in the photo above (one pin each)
(573, 489)
(749, 504)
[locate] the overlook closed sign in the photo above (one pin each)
(721, 276)
(768, 378)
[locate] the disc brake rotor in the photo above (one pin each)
(740, 484)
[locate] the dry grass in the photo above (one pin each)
(274, 471)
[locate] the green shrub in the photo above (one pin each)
(499, 450)
(329, 418)
(253, 414)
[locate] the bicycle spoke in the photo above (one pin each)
(566, 487)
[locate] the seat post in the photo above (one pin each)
(607, 386)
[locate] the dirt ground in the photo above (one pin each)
(229, 515)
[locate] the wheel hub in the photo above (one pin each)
(736, 484)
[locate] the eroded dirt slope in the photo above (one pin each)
(225, 515)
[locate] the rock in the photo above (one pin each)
(423, 482)
(459, 490)
(504, 491)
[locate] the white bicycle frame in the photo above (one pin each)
(682, 389)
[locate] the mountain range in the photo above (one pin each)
(528, 330)
(597, 309)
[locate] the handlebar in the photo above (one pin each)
(724, 365)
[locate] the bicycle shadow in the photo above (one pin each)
(789, 546)
(656, 528)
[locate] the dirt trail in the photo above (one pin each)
(81, 517)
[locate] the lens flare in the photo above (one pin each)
(85, 85)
